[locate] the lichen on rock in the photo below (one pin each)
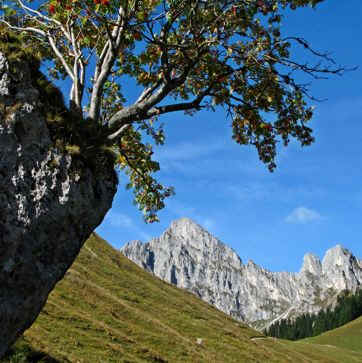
(50, 200)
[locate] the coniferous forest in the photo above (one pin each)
(349, 307)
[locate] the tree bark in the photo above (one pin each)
(50, 202)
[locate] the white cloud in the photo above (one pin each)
(303, 215)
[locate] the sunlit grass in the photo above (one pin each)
(348, 336)
(107, 309)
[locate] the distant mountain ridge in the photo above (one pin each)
(189, 257)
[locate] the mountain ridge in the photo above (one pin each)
(191, 258)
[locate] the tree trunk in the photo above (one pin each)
(50, 202)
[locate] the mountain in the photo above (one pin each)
(107, 309)
(189, 257)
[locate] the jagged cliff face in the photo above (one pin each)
(191, 258)
(49, 204)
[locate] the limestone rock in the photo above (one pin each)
(191, 258)
(49, 205)
(311, 264)
(342, 269)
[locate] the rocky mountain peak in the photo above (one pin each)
(342, 268)
(311, 264)
(184, 222)
(336, 256)
(134, 244)
(185, 228)
(191, 258)
(185, 232)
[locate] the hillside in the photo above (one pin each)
(347, 336)
(190, 257)
(107, 309)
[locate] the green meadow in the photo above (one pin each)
(348, 336)
(107, 309)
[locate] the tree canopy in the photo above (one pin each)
(187, 55)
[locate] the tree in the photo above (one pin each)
(187, 56)
(348, 307)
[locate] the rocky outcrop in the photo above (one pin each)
(311, 264)
(50, 202)
(191, 258)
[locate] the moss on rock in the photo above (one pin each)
(82, 138)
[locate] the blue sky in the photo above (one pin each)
(310, 203)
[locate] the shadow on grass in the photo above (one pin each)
(22, 352)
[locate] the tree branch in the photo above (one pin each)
(105, 64)
(37, 13)
(60, 56)
(131, 115)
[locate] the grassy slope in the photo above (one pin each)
(107, 309)
(348, 336)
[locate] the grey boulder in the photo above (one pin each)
(49, 205)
